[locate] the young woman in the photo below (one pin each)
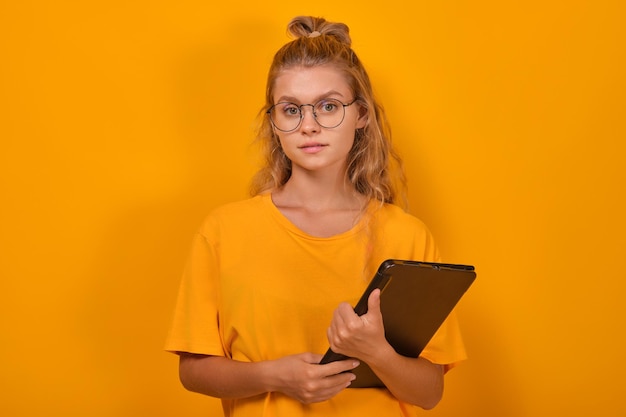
(271, 280)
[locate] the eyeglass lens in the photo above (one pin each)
(287, 116)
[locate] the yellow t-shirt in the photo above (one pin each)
(257, 288)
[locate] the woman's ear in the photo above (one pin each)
(363, 116)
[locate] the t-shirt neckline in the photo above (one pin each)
(285, 222)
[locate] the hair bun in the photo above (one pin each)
(311, 27)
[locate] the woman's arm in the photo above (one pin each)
(298, 376)
(413, 380)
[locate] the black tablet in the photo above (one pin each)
(416, 297)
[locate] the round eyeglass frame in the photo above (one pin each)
(343, 105)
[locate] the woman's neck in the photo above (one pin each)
(320, 208)
(319, 193)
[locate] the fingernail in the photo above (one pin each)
(355, 364)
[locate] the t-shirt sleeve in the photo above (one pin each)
(446, 347)
(195, 323)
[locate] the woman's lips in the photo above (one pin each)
(312, 147)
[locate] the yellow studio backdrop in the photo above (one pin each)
(123, 122)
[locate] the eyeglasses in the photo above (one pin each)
(327, 112)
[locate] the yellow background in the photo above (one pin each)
(123, 122)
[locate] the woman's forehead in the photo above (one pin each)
(311, 83)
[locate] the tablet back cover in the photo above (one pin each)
(415, 300)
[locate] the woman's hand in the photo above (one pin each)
(412, 380)
(301, 377)
(298, 376)
(356, 336)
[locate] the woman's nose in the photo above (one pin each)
(309, 122)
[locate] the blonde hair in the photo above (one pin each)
(374, 168)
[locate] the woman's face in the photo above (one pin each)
(312, 147)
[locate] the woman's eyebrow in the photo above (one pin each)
(292, 99)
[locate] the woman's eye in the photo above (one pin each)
(291, 110)
(327, 106)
